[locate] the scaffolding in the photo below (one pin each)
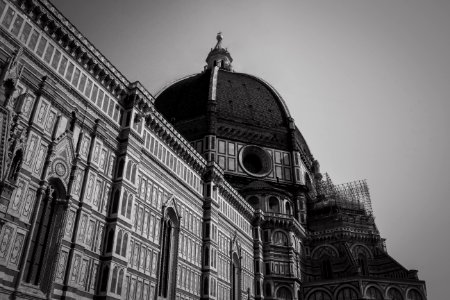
(352, 195)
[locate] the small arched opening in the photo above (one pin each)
(287, 207)
(283, 293)
(274, 205)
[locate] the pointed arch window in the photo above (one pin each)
(120, 168)
(123, 208)
(119, 242)
(129, 206)
(124, 245)
(235, 277)
(119, 282)
(110, 241)
(288, 208)
(133, 173)
(45, 242)
(128, 172)
(115, 205)
(169, 253)
(112, 289)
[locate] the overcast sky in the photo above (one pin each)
(368, 83)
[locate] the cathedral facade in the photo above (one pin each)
(206, 191)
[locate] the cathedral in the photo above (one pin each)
(206, 190)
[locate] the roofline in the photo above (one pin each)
(169, 84)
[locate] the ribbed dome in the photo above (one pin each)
(229, 105)
(247, 109)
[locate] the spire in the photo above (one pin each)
(219, 56)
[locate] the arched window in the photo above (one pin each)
(326, 269)
(120, 168)
(115, 205)
(319, 295)
(288, 208)
(119, 282)
(374, 293)
(284, 293)
(414, 295)
(124, 245)
(235, 277)
(124, 203)
(129, 206)
(347, 294)
(394, 294)
(280, 238)
(274, 205)
(45, 242)
(119, 242)
(213, 287)
(112, 289)
(133, 174)
(206, 256)
(128, 173)
(169, 253)
(362, 262)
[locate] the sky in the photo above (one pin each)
(367, 82)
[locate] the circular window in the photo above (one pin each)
(255, 161)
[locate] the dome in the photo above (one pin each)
(228, 104)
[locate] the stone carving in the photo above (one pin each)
(16, 249)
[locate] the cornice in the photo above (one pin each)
(233, 197)
(165, 131)
(65, 34)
